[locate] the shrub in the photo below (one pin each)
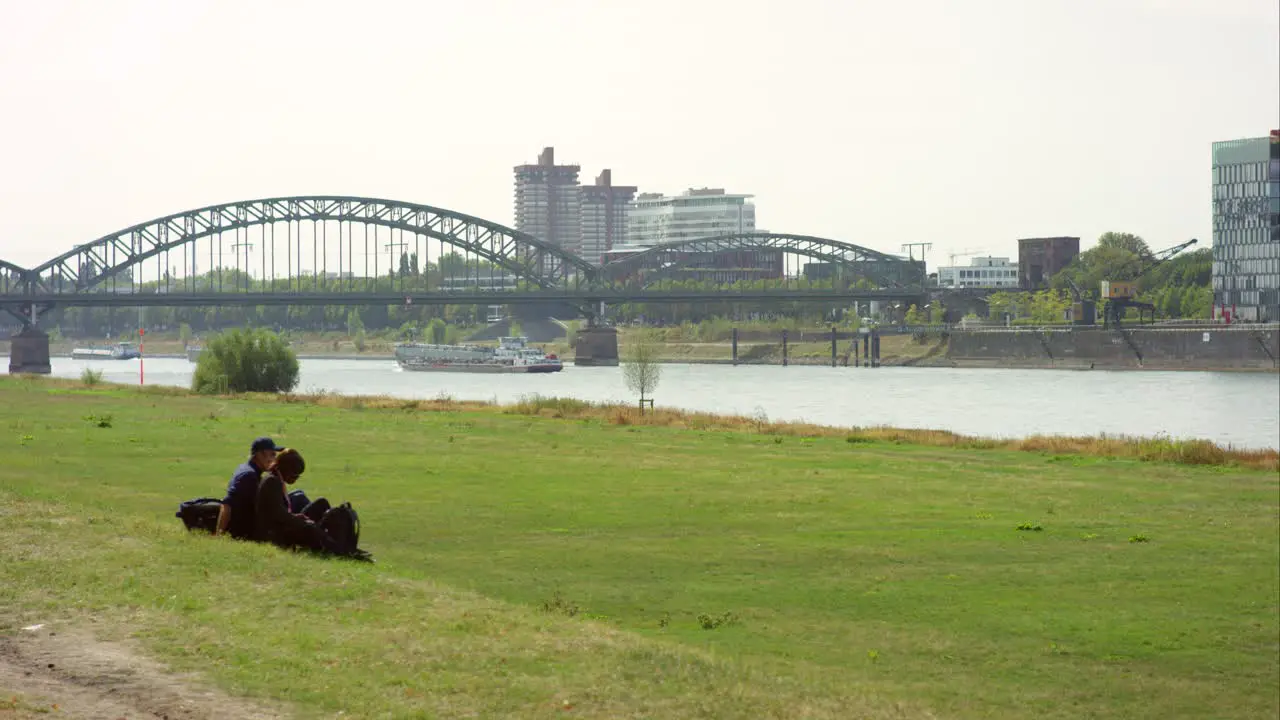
(90, 377)
(246, 361)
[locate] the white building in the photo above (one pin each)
(981, 272)
(656, 219)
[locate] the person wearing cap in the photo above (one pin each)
(238, 513)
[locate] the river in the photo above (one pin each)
(1237, 409)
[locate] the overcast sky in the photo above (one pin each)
(965, 123)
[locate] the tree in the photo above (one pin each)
(1124, 241)
(640, 366)
(1002, 303)
(1049, 306)
(246, 361)
(435, 331)
(355, 325)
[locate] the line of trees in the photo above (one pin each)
(1180, 287)
(102, 321)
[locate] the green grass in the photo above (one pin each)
(524, 561)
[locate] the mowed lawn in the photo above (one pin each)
(537, 567)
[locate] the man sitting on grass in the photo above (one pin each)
(237, 514)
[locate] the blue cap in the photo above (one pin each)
(264, 443)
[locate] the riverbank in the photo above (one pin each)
(554, 558)
(1236, 349)
(895, 350)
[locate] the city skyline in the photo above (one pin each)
(874, 125)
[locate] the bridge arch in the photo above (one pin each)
(661, 262)
(526, 256)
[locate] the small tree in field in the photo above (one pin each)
(640, 366)
(246, 361)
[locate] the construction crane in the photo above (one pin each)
(1120, 294)
(964, 253)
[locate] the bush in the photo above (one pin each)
(90, 377)
(246, 361)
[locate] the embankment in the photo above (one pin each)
(1237, 348)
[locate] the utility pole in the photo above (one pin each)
(924, 272)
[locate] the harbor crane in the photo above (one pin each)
(1120, 295)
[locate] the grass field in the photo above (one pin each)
(533, 566)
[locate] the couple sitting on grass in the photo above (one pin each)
(258, 506)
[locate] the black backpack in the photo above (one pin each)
(342, 526)
(200, 514)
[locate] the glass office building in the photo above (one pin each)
(1246, 229)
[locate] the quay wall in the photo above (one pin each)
(1236, 348)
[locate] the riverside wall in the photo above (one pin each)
(1236, 348)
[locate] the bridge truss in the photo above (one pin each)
(343, 250)
(762, 256)
(297, 245)
(300, 252)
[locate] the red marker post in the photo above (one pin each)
(141, 375)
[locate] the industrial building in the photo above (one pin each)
(605, 208)
(981, 272)
(1246, 229)
(1039, 259)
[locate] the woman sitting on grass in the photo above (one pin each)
(276, 524)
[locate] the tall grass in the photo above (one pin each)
(90, 377)
(1148, 449)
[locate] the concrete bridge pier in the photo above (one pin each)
(29, 352)
(596, 346)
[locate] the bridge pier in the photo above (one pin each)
(29, 352)
(596, 347)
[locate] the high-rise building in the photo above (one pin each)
(657, 219)
(605, 208)
(1041, 258)
(1246, 229)
(548, 201)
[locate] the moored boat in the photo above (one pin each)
(513, 355)
(119, 351)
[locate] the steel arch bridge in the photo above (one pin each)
(671, 260)
(529, 258)
(112, 271)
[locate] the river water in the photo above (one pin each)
(1238, 409)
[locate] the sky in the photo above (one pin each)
(962, 123)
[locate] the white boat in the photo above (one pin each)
(513, 355)
(119, 351)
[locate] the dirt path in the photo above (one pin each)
(85, 678)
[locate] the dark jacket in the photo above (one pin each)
(242, 499)
(275, 523)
